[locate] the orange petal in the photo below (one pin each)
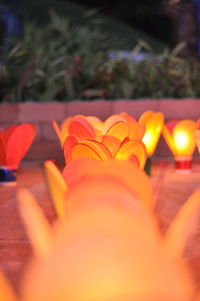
(168, 139)
(127, 172)
(153, 122)
(145, 117)
(119, 130)
(128, 117)
(68, 145)
(91, 149)
(112, 143)
(18, 143)
(37, 226)
(130, 148)
(183, 226)
(136, 130)
(57, 187)
(110, 121)
(6, 291)
(81, 128)
(77, 168)
(57, 130)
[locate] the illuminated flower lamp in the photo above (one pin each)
(153, 123)
(107, 149)
(110, 252)
(180, 138)
(114, 142)
(15, 141)
(129, 127)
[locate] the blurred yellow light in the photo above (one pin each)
(153, 122)
(181, 140)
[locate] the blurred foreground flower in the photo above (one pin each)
(15, 141)
(109, 247)
(80, 169)
(180, 138)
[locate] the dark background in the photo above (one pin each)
(148, 16)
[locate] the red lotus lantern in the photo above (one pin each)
(14, 144)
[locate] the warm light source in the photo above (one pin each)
(110, 246)
(118, 138)
(153, 123)
(180, 137)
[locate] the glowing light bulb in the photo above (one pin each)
(180, 137)
(181, 140)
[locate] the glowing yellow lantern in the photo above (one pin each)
(180, 138)
(153, 122)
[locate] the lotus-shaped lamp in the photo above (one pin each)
(113, 142)
(15, 141)
(125, 126)
(180, 138)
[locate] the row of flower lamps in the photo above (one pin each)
(105, 242)
(119, 137)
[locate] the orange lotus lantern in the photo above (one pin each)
(119, 125)
(14, 143)
(112, 142)
(180, 138)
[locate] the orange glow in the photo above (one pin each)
(181, 137)
(99, 151)
(6, 291)
(57, 187)
(110, 246)
(119, 137)
(119, 125)
(153, 122)
(14, 144)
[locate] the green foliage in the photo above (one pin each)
(63, 60)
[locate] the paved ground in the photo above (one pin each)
(15, 251)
